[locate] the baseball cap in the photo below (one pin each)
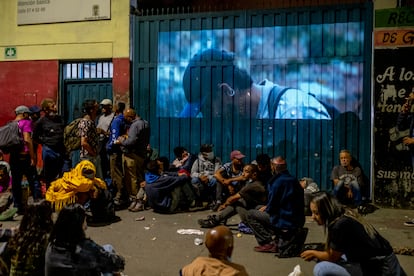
(22, 109)
(237, 154)
(106, 102)
(34, 109)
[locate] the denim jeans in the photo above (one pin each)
(52, 164)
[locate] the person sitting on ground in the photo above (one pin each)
(70, 252)
(353, 246)
(229, 178)
(283, 215)
(220, 244)
(347, 180)
(6, 198)
(202, 173)
(183, 159)
(142, 198)
(249, 197)
(265, 169)
(309, 188)
(81, 186)
(167, 192)
(27, 248)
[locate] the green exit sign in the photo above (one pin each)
(10, 52)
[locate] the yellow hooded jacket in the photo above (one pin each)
(63, 190)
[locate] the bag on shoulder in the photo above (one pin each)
(11, 138)
(71, 136)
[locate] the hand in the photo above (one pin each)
(221, 207)
(142, 184)
(349, 194)
(308, 255)
(408, 141)
(231, 189)
(262, 209)
(203, 179)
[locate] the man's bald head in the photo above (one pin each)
(129, 114)
(219, 242)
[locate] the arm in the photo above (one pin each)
(218, 175)
(106, 261)
(329, 255)
(229, 201)
(28, 141)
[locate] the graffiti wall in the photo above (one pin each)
(393, 123)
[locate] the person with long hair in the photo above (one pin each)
(27, 248)
(353, 246)
(70, 252)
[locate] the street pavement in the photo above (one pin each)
(151, 244)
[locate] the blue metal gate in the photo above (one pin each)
(325, 51)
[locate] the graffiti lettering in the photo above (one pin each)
(395, 174)
(389, 73)
(406, 76)
(389, 108)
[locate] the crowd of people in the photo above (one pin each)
(118, 169)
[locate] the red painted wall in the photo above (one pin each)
(121, 79)
(26, 83)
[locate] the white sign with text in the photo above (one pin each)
(54, 11)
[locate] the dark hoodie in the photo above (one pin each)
(159, 188)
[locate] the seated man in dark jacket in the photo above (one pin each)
(167, 192)
(283, 216)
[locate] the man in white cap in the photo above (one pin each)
(22, 161)
(103, 127)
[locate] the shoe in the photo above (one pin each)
(266, 248)
(214, 207)
(209, 222)
(409, 223)
(132, 206)
(138, 207)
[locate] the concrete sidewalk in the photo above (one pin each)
(153, 247)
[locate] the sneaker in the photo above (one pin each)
(138, 207)
(409, 223)
(266, 248)
(209, 222)
(132, 206)
(214, 207)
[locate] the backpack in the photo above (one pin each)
(277, 92)
(11, 138)
(71, 136)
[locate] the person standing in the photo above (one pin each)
(353, 246)
(103, 128)
(89, 135)
(48, 131)
(22, 161)
(134, 148)
(117, 129)
(283, 215)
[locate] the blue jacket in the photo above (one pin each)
(285, 204)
